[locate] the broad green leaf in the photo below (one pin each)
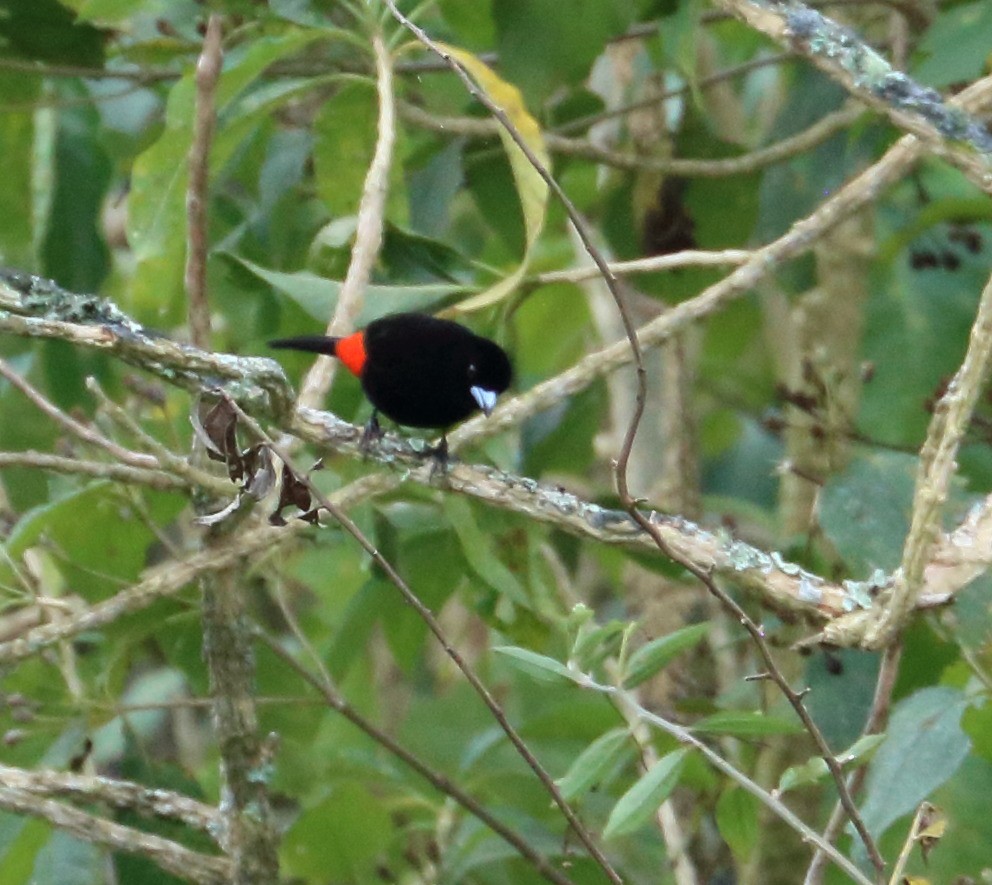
(532, 189)
(547, 44)
(69, 860)
(594, 763)
(956, 47)
(73, 250)
(746, 724)
(477, 547)
(977, 724)
(864, 511)
(541, 667)
(98, 539)
(653, 656)
(641, 801)
(20, 203)
(108, 12)
(737, 819)
(45, 30)
(924, 746)
(339, 840)
(345, 137)
(317, 296)
(157, 201)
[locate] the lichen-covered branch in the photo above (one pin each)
(34, 307)
(120, 794)
(169, 855)
(947, 129)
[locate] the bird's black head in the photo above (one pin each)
(488, 372)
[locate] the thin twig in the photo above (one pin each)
(704, 82)
(752, 161)
(207, 75)
(336, 701)
(951, 417)
(777, 807)
(368, 232)
(155, 479)
(84, 432)
(878, 717)
(427, 616)
(686, 258)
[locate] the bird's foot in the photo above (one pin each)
(370, 435)
(439, 455)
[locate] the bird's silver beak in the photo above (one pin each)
(485, 398)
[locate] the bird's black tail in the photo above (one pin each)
(309, 343)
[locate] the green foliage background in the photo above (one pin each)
(96, 100)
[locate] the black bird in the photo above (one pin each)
(418, 370)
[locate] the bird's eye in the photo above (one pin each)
(472, 370)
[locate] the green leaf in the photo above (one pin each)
(69, 861)
(108, 12)
(477, 547)
(746, 724)
(544, 44)
(95, 534)
(653, 656)
(541, 667)
(593, 642)
(956, 47)
(864, 511)
(317, 295)
(339, 840)
(595, 762)
(345, 138)
(157, 201)
(815, 769)
(641, 801)
(924, 746)
(737, 819)
(532, 189)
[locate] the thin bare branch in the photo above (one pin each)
(168, 855)
(207, 75)
(368, 233)
(148, 802)
(951, 417)
(427, 616)
(82, 431)
(336, 701)
(752, 161)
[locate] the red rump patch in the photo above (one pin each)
(351, 351)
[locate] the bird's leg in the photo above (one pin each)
(372, 433)
(439, 454)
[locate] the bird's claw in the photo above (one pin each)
(370, 435)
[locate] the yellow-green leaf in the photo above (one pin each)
(532, 189)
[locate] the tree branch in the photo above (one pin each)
(169, 855)
(946, 129)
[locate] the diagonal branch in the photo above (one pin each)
(119, 793)
(945, 128)
(368, 233)
(937, 465)
(169, 855)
